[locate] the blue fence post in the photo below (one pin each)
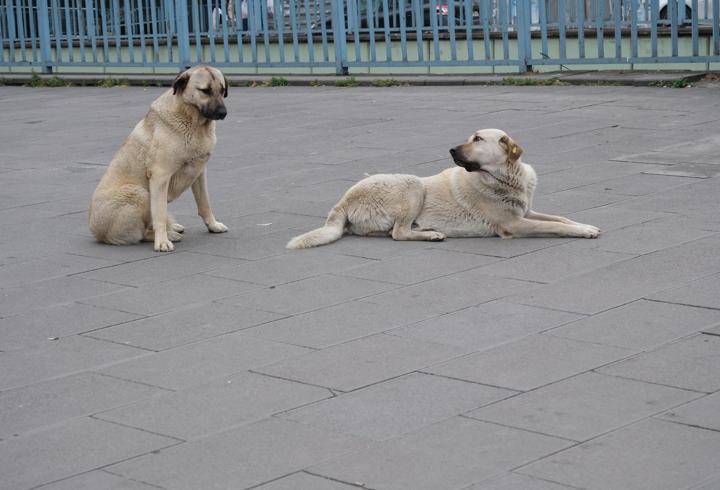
(183, 32)
(44, 32)
(522, 30)
(338, 26)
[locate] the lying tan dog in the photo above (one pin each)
(166, 153)
(490, 195)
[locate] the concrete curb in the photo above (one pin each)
(633, 78)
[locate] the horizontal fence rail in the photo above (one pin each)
(345, 34)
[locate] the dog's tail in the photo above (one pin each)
(332, 231)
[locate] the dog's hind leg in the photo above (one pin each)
(402, 229)
(121, 218)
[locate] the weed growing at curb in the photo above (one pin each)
(679, 83)
(348, 82)
(36, 81)
(112, 82)
(385, 82)
(531, 81)
(278, 82)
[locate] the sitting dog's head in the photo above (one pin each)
(487, 150)
(204, 88)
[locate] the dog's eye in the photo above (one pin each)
(478, 138)
(206, 91)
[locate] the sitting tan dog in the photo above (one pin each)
(488, 194)
(166, 153)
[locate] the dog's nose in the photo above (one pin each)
(453, 151)
(221, 113)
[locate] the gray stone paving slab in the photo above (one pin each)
(703, 292)
(651, 236)
(24, 273)
(537, 360)
(703, 412)
(159, 268)
(572, 201)
(307, 294)
(183, 326)
(95, 480)
(286, 268)
(200, 362)
(498, 247)
(47, 403)
(615, 216)
(52, 292)
(239, 458)
(640, 184)
(224, 403)
(76, 446)
(555, 263)
(396, 407)
(36, 327)
(485, 326)
(698, 151)
(60, 358)
(337, 324)
(514, 481)
(651, 454)
(451, 293)
(640, 325)
(451, 455)
(584, 406)
(240, 247)
(690, 363)
(362, 362)
(418, 266)
(629, 280)
(162, 297)
(305, 481)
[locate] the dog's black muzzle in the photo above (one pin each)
(469, 166)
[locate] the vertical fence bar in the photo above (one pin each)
(309, 33)
(265, 25)
(653, 27)
(504, 25)
(542, 11)
(673, 14)
(196, 30)
(694, 28)
(20, 18)
(451, 28)
(338, 23)
(485, 26)
(323, 30)
(57, 29)
(212, 28)
(419, 25)
(561, 28)
(600, 27)
(294, 29)
(225, 19)
(434, 26)
(69, 38)
(183, 33)
(81, 28)
(154, 29)
(468, 6)
(44, 31)
(386, 30)
(580, 5)
(522, 31)
(240, 28)
(127, 8)
(115, 14)
(141, 30)
(10, 16)
(633, 29)
(370, 18)
(403, 30)
(716, 28)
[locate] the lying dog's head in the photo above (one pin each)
(487, 150)
(204, 88)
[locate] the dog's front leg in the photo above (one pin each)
(159, 183)
(202, 199)
(523, 227)
(549, 217)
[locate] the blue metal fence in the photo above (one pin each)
(346, 34)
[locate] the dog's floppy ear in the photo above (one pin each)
(513, 150)
(181, 82)
(225, 92)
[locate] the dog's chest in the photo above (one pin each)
(186, 175)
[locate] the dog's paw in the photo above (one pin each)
(164, 246)
(590, 231)
(217, 227)
(178, 228)
(174, 236)
(436, 236)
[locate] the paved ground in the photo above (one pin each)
(469, 364)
